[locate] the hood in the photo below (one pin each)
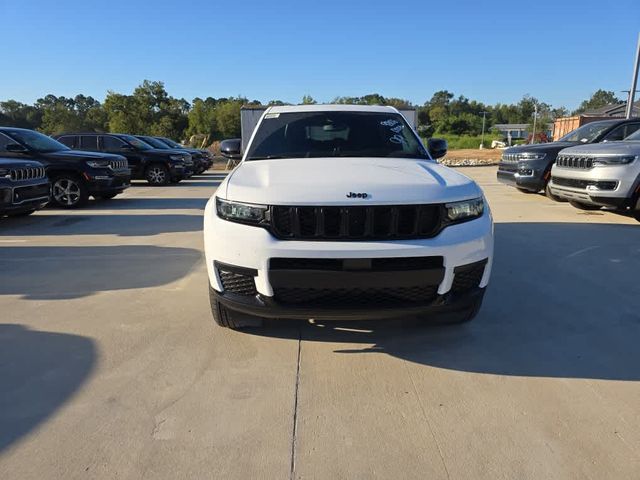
(81, 155)
(606, 148)
(328, 181)
(15, 163)
(548, 148)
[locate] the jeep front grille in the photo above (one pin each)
(510, 157)
(29, 173)
(118, 164)
(569, 161)
(356, 223)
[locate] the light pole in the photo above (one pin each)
(484, 116)
(535, 117)
(634, 82)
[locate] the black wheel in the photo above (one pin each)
(157, 175)
(548, 194)
(227, 318)
(583, 206)
(524, 190)
(68, 191)
(105, 196)
(24, 213)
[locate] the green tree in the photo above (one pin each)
(600, 98)
(227, 117)
(308, 100)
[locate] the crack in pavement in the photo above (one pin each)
(292, 467)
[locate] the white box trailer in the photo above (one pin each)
(250, 116)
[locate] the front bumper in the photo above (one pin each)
(25, 196)
(178, 172)
(253, 248)
(267, 307)
(529, 175)
(624, 176)
(101, 182)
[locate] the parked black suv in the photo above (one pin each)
(528, 167)
(158, 167)
(24, 187)
(74, 175)
(202, 158)
(191, 168)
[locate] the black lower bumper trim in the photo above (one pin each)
(266, 307)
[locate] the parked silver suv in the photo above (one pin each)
(600, 175)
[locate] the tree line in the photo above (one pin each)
(150, 110)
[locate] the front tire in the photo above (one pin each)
(69, 191)
(583, 206)
(227, 318)
(157, 175)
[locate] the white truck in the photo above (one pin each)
(340, 212)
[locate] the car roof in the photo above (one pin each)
(331, 108)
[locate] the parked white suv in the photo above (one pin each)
(599, 175)
(339, 212)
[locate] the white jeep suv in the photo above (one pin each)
(339, 212)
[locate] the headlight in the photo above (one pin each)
(532, 156)
(466, 210)
(4, 172)
(241, 212)
(99, 163)
(614, 160)
(177, 158)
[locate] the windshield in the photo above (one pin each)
(136, 142)
(334, 134)
(154, 142)
(586, 133)
(170, 142)
(36, 141)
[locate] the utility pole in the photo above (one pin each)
(484, 116)
(535, 117)
(634, 82)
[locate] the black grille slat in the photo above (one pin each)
(569, 161)
(355, 297)
(28, 173)
(377, 264)
(356, 223)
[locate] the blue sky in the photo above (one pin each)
(558, 51)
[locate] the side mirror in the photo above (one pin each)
(16, 148)
(231, 148)
(437, 147)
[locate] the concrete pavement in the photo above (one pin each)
(111, 367)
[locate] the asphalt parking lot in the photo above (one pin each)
(111, 367)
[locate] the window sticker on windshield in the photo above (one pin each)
(399, 139)
(389, 123)
(271, 115)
